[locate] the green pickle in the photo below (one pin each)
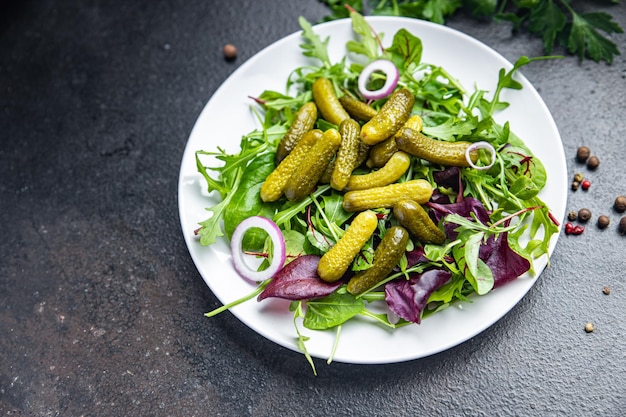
(416, 220)
(395, 167)
(436, 151)
(387, 196)
(334, 263)
(357, 109)
(391, 117)
(307, 175)
(347, 155)
(386, 256)
(276, 182)
(303, 121)
(327, 102)
(383, 151)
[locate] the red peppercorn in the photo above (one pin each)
(569, 228)
(585, 184)
(578, 230)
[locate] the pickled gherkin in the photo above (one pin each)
(307, 175)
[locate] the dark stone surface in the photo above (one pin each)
(101, 306)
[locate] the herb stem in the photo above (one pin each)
(283, 216)
(238, 301)
(511, 216)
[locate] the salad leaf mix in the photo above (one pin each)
(494, 221)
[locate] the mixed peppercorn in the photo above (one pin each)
(577, 219)
(584, 156)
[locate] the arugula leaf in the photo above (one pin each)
(368, 44)
(283, 102)
(211, 228)
(452, 128)
(315, 48)
(333, 208)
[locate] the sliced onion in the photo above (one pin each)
(391, 73)
(278, 243)
(480, 145)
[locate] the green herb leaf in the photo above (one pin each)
(584, 39)
(406, 49)
(332, 310)
(547, 20)
(315, 48)
(368, 44)
(553, 21)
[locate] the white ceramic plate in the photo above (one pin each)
(227, 117)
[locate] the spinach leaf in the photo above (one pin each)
(246, 201)
(332, 310)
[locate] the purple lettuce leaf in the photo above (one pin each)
(505, 264)
(439, 197)
(408, 298)
(463, 208)
(450, 178)
(416, 256)
(299, 280)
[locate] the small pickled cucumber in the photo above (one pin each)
(310, 170)
(303, 121)
(392, 115)
(356, 108)
(386, 256)
(416, 220)
(395, 167)
(347, 154)
(387, 196)
(334, 263)
(274, 185)
(432, 150)
(382, 151)
(327, 102)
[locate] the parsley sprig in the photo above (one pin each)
(556, 22)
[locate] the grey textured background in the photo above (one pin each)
(101, 306)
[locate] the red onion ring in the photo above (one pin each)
(391, 73)
(278, 241)
(480, 145)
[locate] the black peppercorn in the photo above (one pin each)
(603, 221)
(620, 204)
(582, 154)
(622, 225)
(584, 214)
(575, 185)
(593, 162)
